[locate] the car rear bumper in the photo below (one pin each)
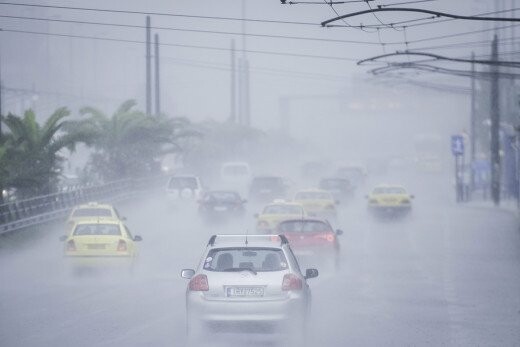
(389, 209)
(99, 261)
(262, 314)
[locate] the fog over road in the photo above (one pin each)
(448, 275)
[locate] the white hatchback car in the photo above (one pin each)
(184, 188)
(247, 284)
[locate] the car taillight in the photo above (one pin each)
(199, 283)
(291, 282)
(121, 246)
(328, 237)
(71, 246)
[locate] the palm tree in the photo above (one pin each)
(31, 160)
(129, 143)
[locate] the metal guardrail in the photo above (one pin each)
(18, 214)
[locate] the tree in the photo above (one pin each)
(129, 143)
(30, 153)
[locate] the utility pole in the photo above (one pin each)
(241, 91)
(245, 109)
(148, 69)
(157, 79)
(233, 101)
(495, 125)
(473, 130)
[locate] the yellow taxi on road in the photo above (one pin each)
(389, 200)
(100, 242)
(276, 212)
(92, 210)
(317, 202)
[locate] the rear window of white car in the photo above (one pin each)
(248, 258)
(97, 230)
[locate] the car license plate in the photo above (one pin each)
(96, 246)
(220, 208)
(245, 291)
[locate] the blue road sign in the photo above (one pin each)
(457, 145)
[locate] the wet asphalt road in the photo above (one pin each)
(447, 275)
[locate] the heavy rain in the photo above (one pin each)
(259, 173)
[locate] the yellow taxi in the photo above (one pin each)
(317, 202)
(92, 210)
(277, 212)
(389, 200)
(100, 242)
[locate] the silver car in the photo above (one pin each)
(247, 284)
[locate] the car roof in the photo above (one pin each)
(312, 190)
(232, 240)
(100, 220)
(385, 185)
(94, 205)
(283, 202)
(305, 220)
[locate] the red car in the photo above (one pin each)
(312, 239)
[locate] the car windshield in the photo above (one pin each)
(304, 227)
(267, 182)
(92, 212)
(333, 183)
(389, 190)
(248, 258)
(235, 170)
(97, 229)
(313, 196)
(283, 209)
(222, 197)
(182, 183)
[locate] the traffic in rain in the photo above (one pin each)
(259, 173)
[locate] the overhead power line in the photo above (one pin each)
(515, 64)
(419, 10)
(136, 26)
(312, 56)
(164, 14)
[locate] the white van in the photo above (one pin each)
(235, 175)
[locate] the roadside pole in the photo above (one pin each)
(457, 149)
(495, 124)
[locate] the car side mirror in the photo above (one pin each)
(187, 273)
(138, 238)
(63, 238)
(339, 232)
(311, 273)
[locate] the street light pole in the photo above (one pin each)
(148, 68)
(495, 124)
(473, 132)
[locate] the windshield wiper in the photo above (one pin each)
(239, 269)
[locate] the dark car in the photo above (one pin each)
(221, 205)
(339, 187)
(265, 189)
